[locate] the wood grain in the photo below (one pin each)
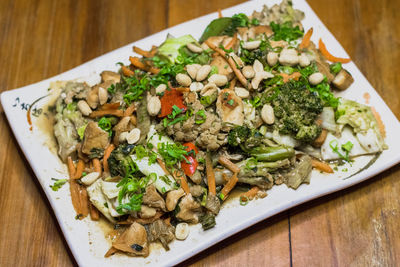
(41, 38)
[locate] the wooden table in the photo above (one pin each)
(38, 39)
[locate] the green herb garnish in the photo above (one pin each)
(58, 183)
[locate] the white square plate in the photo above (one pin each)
(86, 238)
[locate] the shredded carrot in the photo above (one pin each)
(142, 52)
(94, 213)
(153, 50)
(322, 166)
(168, 221)
(71, 168)
(232, 42)
(219, 13)
(229, 164)
(286, 77)
(232, 84)
(80, 166)
(84, 201)
(129, 110)
(126, 71)
(162, 165)
(231, 63)
(133, 119)
(96, 165)
(329, 56)
(366, 97)
(110, 252)
(306, 39)
(109, 106)
(180, 176)
(101, 113)
(138, 64)
(229, 186)
(74, 189)
(380, 122)
(183, 89)
(107, 153)
(249, 195)
(210, 176)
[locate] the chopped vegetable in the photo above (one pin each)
(210, 176)
(229, 186)
(58, 183)
(170, 99)
(306, 39)
(322, 166)
(329, 56)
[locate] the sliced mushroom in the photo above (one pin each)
(94, 137)
(223, 67)
(110, 76)
(173, 197)
(188, 210)
(230, 107)
(133, 241)
(152, 199)
(343, 80)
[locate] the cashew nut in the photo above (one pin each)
(183, 79)
(267, 114)
(133, 136)
(153, 105)
(103, 95)
(203, 72)
(90, 178)
(248, 72)
(161, 88)
(192, 70)
(272, 58)
(218, 79)
(181, 231)
(304, 61)
(251, 45)
(84, 107)
(289, 57)
(196, 86)
(122, 137)
(316, 78)
(194, 48)
(242, 92)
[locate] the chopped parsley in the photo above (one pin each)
(285, 31)
(105, 124)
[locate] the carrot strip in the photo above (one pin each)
(229, 186)
(107, 153)
(183, 89)
(137, 63)
(71, 168)
(232, 42)
(97, 165)
(229, 164)
(210, 176)
(219, 13)
(112, 112)
(75, 199)
(322, 166)
(250, 194)
(378, 118)
(286, 77)
(153, 50)
(231, 63)
(126, 71)
(306, 39)
(162, 165)
(232, 84)
(329, 56)
(84, 201)
(94, 213)
(80, 166)
(142, 52)
(109, 106)
(110, 252)
(180, 176)
(129, 110)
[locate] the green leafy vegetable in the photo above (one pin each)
(285, 31)
(58, 183)
(172, 153)
(105, 124)
(170, 48)
(335, 67)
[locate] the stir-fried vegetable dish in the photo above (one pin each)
(164, 141)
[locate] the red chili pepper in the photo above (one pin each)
(171, 98)
(190, 168)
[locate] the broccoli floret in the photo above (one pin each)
(238, 135)
(296, 109)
